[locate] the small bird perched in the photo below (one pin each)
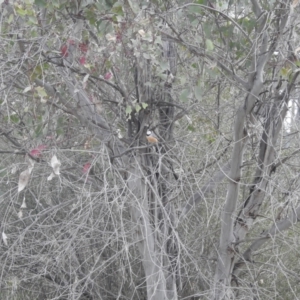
(151, 138)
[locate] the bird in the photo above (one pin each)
(151, 137)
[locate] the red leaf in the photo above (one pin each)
(108, 76)
(83, 47)
(119, 37)
(71, 42)
(86, 168)
(82, 60)
(42, 147)
(37, 152)
(64, 50)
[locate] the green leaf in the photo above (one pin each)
(182, 80)
(247, 23)
(138, 107)
(210, 138)
(108, 4)
(184, 95)
(39, 130)
(164, 65)
(3, 173)
(41, 91)
(57, 5)
(60, 126)
(198, 92)
(207, 28)
(91, 16)
(108, 64)
(41, 3)
(10, 18)
(209, 45)
(191, 128)
(285, 72)
(146, 56)
(144, 105)
(32, 20)
(134, 6)
(14, 118)
(195, 9)
(21, 12)
(118, 9)
(213, 72)
(128, 112)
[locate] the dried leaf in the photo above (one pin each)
(85, 78)
(4, 238)
(41, 91)
(295, 3)
(189, 119)
(24, 204)
(142, 33)
(20, 214)
(86, 168)
(55, 164)
(30, 163)
(23, 179)
(14, 169)
(27, 89)
(120, 136)
(110, 37)
(51, 176)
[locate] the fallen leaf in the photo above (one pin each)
(51, 176)
(85, 78)
(108, 76)
(27, 89)
(110, 37)
(24, 204)
(82, 60)
(23, 179)
(86, 168)
(83, 47)
(64, 51)
(4, 238)
(37, 152)
(55, 164)
(141, 32)
(14, 169)
(30, 163)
